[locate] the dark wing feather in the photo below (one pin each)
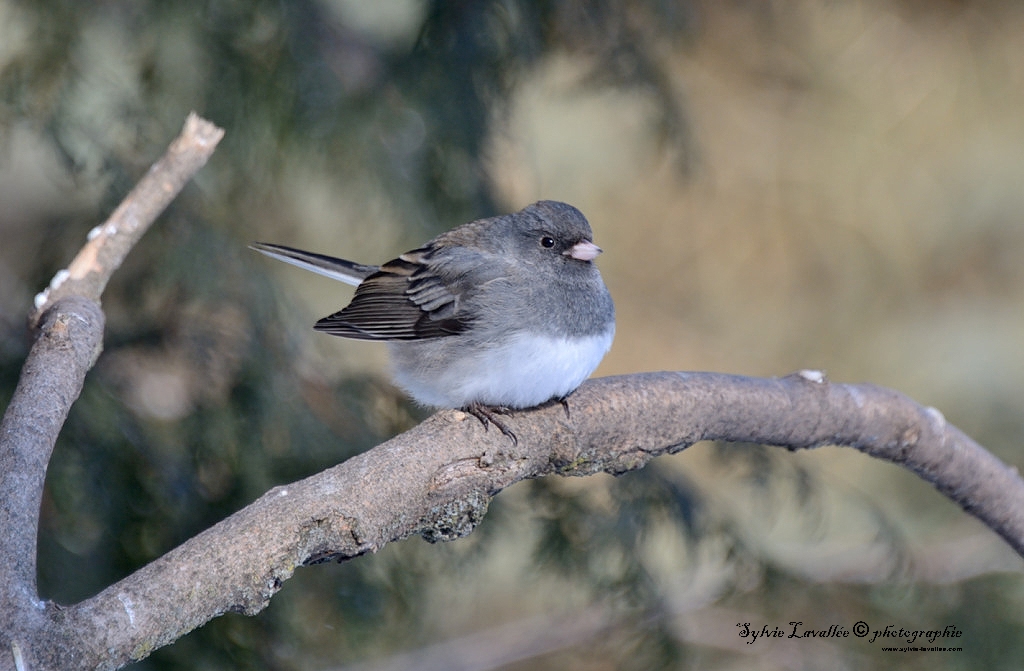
(405, 300)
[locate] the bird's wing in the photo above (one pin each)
(419, 295)
(328, 266)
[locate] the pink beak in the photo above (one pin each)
(584, 250)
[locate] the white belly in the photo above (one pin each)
(520, 372)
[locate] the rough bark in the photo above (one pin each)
(438, 478)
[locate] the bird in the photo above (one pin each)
(496, 315)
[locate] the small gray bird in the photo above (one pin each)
(494, 315)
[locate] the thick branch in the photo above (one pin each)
(109, 243)
(438, 478)
(70, 339)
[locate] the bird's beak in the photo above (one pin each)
(584, 250)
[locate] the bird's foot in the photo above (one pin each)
(488, 414)
(560, 400)
(564, 401)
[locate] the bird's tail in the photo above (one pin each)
(328, 266)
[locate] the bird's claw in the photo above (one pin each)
(489, 415)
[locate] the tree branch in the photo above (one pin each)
(68, 341)
(109, 244)
(438, 478)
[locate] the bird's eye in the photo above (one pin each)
(547, 242)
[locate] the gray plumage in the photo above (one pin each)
(507, 311)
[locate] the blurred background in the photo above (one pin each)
(776, 185)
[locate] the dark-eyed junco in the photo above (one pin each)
(507, 312)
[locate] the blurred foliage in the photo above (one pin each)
(362, 128)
